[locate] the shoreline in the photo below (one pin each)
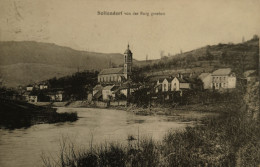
(186, 113)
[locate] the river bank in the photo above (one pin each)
(17, 114)
(185, 113)
(231, 139)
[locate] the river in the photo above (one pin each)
(24, 147)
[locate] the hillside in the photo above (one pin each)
(240, 57)
(25, 62)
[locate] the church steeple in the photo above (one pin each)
(128, 62)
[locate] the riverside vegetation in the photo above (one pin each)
(232, 139)
(18, 114)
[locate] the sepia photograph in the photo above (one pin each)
(129, 83)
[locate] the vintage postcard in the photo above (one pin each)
(128, 83)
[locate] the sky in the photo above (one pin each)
(185, 25)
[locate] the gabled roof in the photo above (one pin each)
(158, 86)
(98, 95)
(169, 79)
(249, 73)
(223, 71)
(160, 80)
(98, 87)
(182, 80)
(108, 87)
(112, 71)
(203, 75)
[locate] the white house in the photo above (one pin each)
(56, 96)
(223, 79)
(206, 78)
(29, 88)
(96, 89)
(108, 92)
(166, 85)
(43, 86)
(179, 83)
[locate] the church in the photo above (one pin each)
(118, 75)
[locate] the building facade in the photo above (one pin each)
(223, 79)
(206, 78)
(118, 75)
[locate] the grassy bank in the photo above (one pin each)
(16, 114)
(229, 141)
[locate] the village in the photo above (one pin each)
(115, 86)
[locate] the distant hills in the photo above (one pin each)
(27, 62)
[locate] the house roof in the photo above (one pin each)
(98, 87)
(203, 75)
(111, 71)
(182, 80)
(249, 73)
(223, 71)
(160, 80)
(98, 95)
(108, 87)
(169, 79)
(160, 85)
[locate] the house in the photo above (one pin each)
(158, 86)
(43, 86)
(98, 96)
(59, 96)
(97, 89)
(52, 96)
(32, 98)
(250, 75)
(117, 75)
(29, 88)
(108, 92)
(206, 78)
(25, 96)
(223, 79)
(179, 83)
(166, 85)
(56, 96)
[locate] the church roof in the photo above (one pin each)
(128, 51)
(112, 71)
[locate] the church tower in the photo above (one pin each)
(128, 59)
